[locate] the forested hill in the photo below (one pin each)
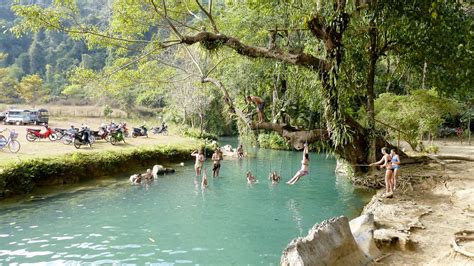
(49, 54)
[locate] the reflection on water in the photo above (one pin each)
(174, 220)
(297, 217)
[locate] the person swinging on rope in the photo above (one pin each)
(260, 103)
(304, 167)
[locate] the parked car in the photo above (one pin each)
(17, 117)
(2, 116)
(39, 117)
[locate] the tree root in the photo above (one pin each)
(404, 182)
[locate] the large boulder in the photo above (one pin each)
(160, 170)
(329, 243)
(362, 229)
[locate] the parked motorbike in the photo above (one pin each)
(160, 130)
(33, 134)
(117, 135)
(60, 132)
(140, 131)
(82, 137)
(102, 133)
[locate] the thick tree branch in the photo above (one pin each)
(301, 59)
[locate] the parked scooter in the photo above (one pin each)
(33, 134)
(83, 137)
(102, 133)
(160, 130)
(140, 131)
(117, 135)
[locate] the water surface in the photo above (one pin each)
(174, 221)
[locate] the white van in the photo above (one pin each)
(17, 117)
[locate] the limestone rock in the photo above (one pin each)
(362, 229)
(160, 170)
(329, 243)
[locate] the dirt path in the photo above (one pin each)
(445, 205)
(45, 148)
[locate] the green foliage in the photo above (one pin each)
(433, 149)
(273, 141)
(108, 111)
(196, 133)
(421, 111)
(31, 88)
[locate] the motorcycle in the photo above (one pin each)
(82, 137)
(33, 134)
(160, 130)
(117, 135)
(140, 131)
(102, 133)
(60, 132)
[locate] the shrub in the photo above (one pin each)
(272, 141)
(431, 149)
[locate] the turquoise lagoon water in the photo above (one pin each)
(174, 221)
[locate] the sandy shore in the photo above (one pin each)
(419, 222)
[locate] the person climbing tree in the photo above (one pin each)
(260, 103)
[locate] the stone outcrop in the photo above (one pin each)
(362, 229)
(395, 220)
(331, 243)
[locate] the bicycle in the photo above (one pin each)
(11, 142)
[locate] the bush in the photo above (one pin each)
(431, 149)
(23, 177)
(195, 133)
(272, 141)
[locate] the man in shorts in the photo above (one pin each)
(260, 103)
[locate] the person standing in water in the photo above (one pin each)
(199, 161)
(386, 162)
(260, 103)
(395, 166)
(240, 151)
(216, 159)
(304, 170)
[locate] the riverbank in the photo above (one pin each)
(418, 224)
(23, 177)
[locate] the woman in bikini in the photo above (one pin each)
(304, 167)
(395, 166)
(386, 162)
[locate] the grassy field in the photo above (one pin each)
(45, 148)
